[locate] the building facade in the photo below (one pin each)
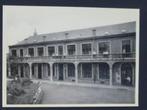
(100, 55)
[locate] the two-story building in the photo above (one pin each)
(100, 55)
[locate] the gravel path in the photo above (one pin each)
(67, 94)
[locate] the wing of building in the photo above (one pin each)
(101, 55)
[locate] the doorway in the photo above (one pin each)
(60, 71)
(39, 71)
(126, 74)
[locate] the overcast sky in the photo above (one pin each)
(19, 22)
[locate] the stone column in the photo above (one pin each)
(9, 70)
(92, 71)
(19, 70)
(30, 67)
(64, 71)
(24, 70)
(133, 74)
(51, 71)
(110, 73)
(76, 72)
(36, 71)
(97, 66)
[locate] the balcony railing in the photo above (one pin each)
(116, 56)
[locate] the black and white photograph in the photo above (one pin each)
(57, 56)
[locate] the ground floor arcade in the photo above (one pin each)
(119, 73)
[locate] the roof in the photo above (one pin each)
(115, 29)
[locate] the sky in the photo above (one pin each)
(20, 22)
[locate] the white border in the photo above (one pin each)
(4, 80)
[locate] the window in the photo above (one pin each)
(40, 51)
(21, 52)
(104, 48)
(86, 49)
(71, 49)
(31, 51)
(60, 50)
(126, 48)
(14, 54)
(51, 51)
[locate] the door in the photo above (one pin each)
(60, 71)
(126, 75)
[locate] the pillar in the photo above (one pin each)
(133, 74)
(51, 71)
(98, 75)
(19, 70)
(76, 72)
(30, 67)
(9, 70)
(110, 72)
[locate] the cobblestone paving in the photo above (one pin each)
(67, 94)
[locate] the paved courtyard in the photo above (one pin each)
(70, 94)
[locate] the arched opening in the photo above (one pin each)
(126, 74)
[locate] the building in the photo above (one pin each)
(100, 55)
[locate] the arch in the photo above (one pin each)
(63, 71)
(126, 74)
(40, 70)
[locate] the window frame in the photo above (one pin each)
(91, 48)
(75, 48)
(43, 51)
(12, 53)
(54, 50)
(104, 42)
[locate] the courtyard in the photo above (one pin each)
(58, 93)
